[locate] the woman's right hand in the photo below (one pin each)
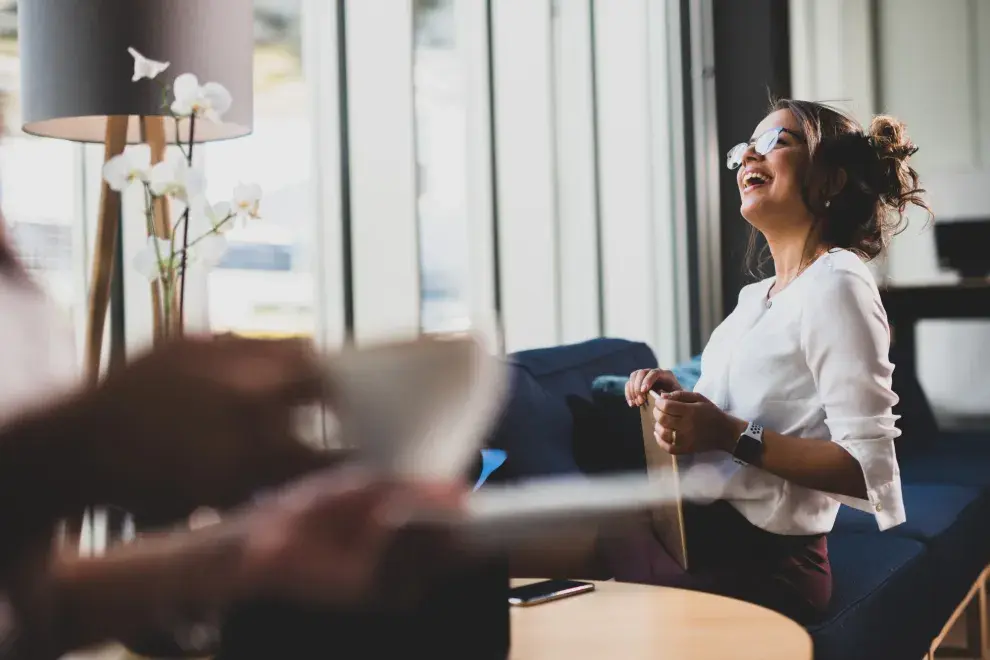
(643, 380)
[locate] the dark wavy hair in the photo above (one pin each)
(868, 209)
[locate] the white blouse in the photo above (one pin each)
(810, 362)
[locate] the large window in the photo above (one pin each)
(40, 182)
(510, 167)
(441, 134)
(264, 286)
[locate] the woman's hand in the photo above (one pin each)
(642, 381)
(687, 423)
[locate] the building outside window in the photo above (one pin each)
(264, 286)
(39, 188)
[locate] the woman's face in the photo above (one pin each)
(770, 185)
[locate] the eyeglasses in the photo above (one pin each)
(764, 144)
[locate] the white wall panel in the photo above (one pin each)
(473, 47)
(382, 169)
(671, 291)
(982, 74)
(629, 244)
(642, 191)
(577, 194)
(927, 75)
(321, 62)
(858, 94)
(525, 158)
(928, 84)
(832, 54)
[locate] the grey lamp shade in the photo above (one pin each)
(76, 69)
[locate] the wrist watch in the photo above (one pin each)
(749, 446)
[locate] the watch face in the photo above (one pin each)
(749, 450)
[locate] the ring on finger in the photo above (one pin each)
(673, 438)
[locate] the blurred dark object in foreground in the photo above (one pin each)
(961, 246)
(465, 614)
(436, 604)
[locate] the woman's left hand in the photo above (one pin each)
(687, 423)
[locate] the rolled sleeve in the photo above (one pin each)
(846, 341)
(883, 481)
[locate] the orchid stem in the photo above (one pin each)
(185, 228)
(215, 230)
(149, 212)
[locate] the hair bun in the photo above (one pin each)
(894, 180)
(888, 136)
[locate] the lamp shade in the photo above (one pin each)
(76, 69)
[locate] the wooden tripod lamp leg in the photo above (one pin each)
(104, 254)
(104, 257)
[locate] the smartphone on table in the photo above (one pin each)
(546, 591)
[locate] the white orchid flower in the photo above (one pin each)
(211, 100)
(218, 215)
(175, 178)
(247, 200)
(208, 251)
(155, 256)
(134, 164)
(206, 218)
(144, 67)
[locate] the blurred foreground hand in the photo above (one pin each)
(199, 422)
(321, 540)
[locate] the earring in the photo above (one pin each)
(828, 203)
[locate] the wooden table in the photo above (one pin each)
(631, 621)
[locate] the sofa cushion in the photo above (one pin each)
(550, 425)
(931, 510)
(965, 441)
(962, 458)
(952, 521)
(534, 431)
(620, 425)
(566, 374)
(567, 371)
(688, 373)
(874, 576)
(620, 445)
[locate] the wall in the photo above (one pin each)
(940, 85)
(922, 61)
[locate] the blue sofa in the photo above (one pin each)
(893, 592)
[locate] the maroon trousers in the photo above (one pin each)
(730, 556)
